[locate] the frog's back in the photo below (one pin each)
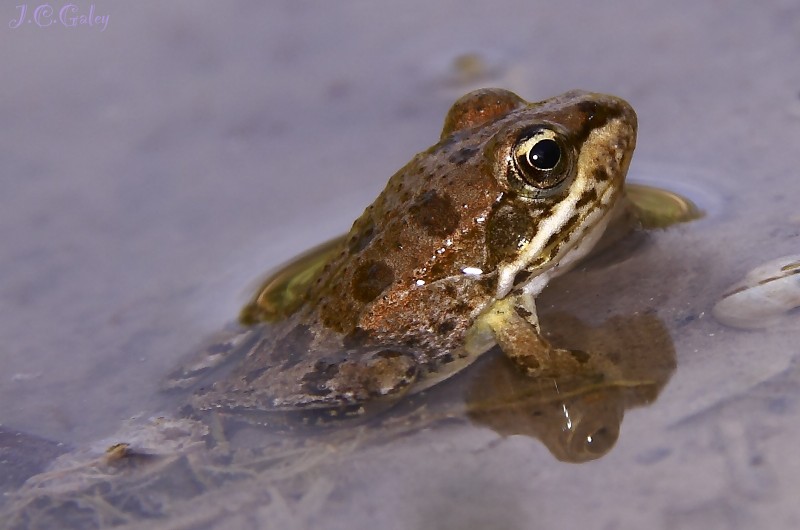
(407, 253)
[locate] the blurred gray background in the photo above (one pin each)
(152, 171)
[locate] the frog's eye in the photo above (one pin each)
(542, 159)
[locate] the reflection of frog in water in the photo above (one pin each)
(445, 263)
(577, 420)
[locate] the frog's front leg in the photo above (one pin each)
(515, 326)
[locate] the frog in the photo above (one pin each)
(445, 264)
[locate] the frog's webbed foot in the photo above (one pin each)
(515, 327)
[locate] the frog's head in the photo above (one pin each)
(560, 164)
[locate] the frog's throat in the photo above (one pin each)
(589, 237)
(579, 228)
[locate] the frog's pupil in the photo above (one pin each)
(545, 154)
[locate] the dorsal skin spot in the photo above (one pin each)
(462, 155)
(435, 214)
(370, 279)
(508, 227)
(446, 326)
(589, 108)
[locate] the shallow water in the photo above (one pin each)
(154, 171)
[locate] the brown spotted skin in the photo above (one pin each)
(454, 232)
